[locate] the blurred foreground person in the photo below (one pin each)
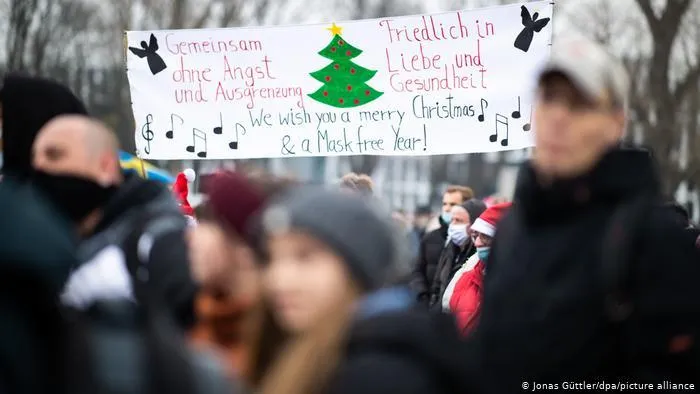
(111, 347)
(36, 255)
(77, 166)
(590, 277)
(26, 105)
(37, 249)
(225, 265)
(328, 255)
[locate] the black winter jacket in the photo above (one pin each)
(403, 350)
(36, 254)
(146, 211)
(543, 317)
(426, 264)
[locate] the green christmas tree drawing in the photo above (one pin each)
(344, 82)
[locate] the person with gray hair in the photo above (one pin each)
(590, 277)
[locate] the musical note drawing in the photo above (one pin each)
(220, 128)
(503, 121)
(516, 113)
(147, 133)
(531, 26)
(240, 129)
(149, 51)
(171, 133)
(198, 135)
(527, 126)
(484, 104)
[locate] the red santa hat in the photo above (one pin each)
(181, 190)
(487, 221)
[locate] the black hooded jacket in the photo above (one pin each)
(28, 103)
(144, 212)
(543, 311)
(403, 350)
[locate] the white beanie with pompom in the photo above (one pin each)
(189, 175)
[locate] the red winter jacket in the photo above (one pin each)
(466, 299)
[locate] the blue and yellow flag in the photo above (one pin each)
(132, 164)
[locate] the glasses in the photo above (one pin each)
(485, 239)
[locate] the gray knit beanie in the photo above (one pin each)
(352, 226)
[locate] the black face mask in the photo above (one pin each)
(75, 196)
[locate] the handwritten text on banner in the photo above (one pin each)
(447, 83)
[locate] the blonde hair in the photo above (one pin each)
(307, 362)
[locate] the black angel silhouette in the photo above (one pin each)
(155, 62)
(532, 26)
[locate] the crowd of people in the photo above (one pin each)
(111, 283)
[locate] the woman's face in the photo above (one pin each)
(222, 262)
(304, 280)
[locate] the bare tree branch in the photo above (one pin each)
(200, 21)
(21, 17)
(689, 81)
(177, 14)
(648, 12)
(231, 14)
(261, 9)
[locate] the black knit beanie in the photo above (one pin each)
(474, 207)
(29, 103)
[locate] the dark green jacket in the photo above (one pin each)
(37, 251)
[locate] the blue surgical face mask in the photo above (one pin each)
(483, 252)
(457, 233)
(446, 217)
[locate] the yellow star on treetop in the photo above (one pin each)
(335, 30)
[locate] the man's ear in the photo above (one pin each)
(619, 126)
(110, 169)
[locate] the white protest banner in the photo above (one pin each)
(455, 82)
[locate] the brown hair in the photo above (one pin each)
(360, 182)
(271, 185)
(202, 211)
(467, 192)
